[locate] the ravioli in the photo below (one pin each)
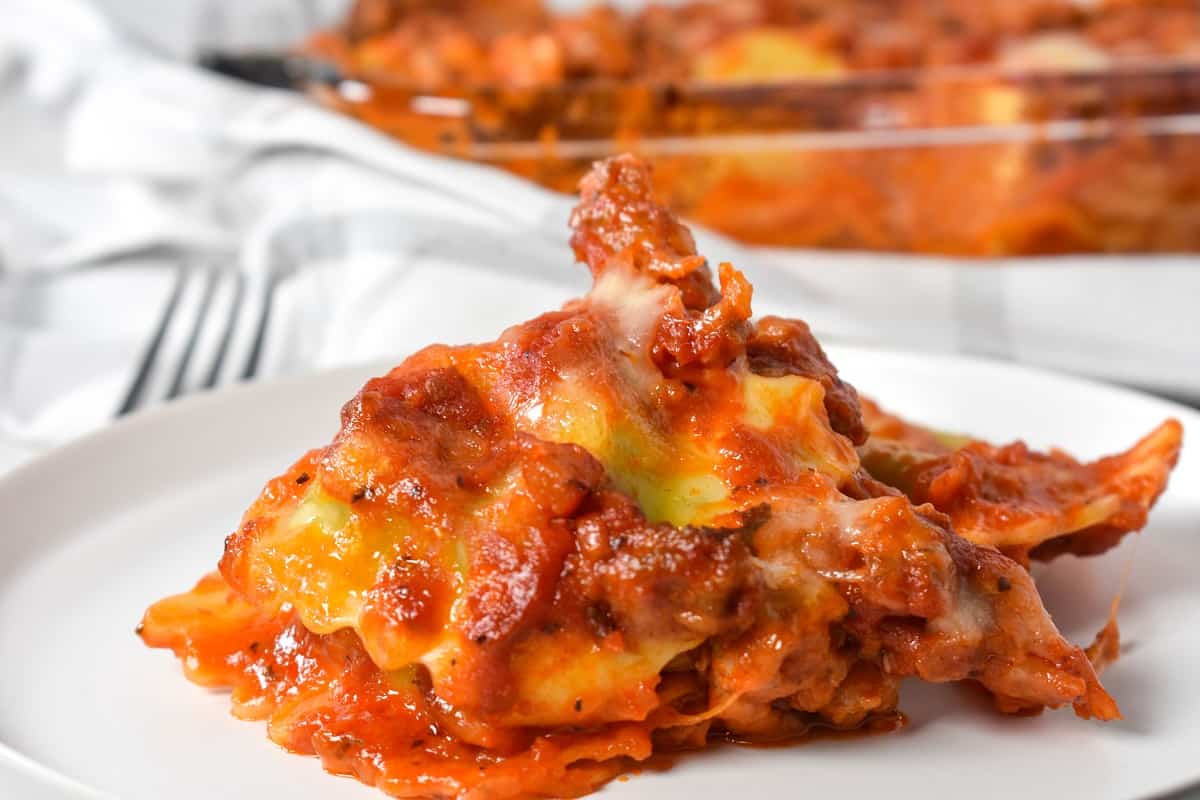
(636, 523)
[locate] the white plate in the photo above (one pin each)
(96, 531)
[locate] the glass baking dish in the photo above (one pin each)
(973, 161)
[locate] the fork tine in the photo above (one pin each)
(134, 396)
(235, 308)
(264, 323)
(212, 278)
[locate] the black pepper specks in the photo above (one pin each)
(1003, 584)
(302, 478)
(578, 704)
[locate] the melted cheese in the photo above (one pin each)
(793, 409)
(671, 476)
(324, 557)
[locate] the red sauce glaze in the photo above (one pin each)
(323, 696)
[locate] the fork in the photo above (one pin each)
(197, 342)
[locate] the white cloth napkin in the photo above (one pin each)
(376, 246)
(1131, 319)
